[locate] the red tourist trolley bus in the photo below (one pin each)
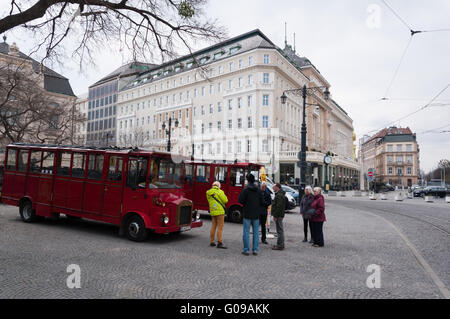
(199, 177)
(135, 189)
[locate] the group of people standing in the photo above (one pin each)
(255, 202)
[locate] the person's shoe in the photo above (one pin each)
(255, 253)
(305, 240)
(220, 245)
(212, 244)
(277, 248)
(265, 242)
(245, 253)
(311, 241)
(315, 245)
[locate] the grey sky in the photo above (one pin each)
(357, 58)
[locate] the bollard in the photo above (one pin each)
(429, 199)
(447, 199)
(372, 196)
(399, 197)
(383, 196)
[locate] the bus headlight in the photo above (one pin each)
(165, 219)
(197, 215)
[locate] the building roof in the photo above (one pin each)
(244, 42)
(132, 68)
(395, 134)
(53, 81)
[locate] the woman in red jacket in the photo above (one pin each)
(318, 218)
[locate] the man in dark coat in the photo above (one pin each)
(251, 199)
(267, 201)
(278, 208)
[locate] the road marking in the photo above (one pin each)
(438, 282)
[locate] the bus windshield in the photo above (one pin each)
(165, 173)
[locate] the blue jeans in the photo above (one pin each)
(246, 234)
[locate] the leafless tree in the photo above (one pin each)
(144, 27)
(28, 113)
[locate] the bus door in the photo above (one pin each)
(135, 193)
(237, 180)
(76, 186)
(93, 188)
(221, 175)
(201, 184)
(188, 180)
(34, 171)
(112, 197)
(21, 174)
(45, 186)
(62, 179)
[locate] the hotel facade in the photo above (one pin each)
(224, 102)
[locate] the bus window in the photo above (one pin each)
(202, 174)
(63, 164)
(95, 167)
(255, 172)
(22, 161)
(137, 171)
(115, 168)
(35, 161)
(11, 163)
(165, 174)
(47, 162)
(78, 164)
(237, 176)
(189, 172)
(220, 174)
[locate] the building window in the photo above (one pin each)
(399, 148)
(219, 87)
(389, 148)
(239, 102)
(389, 159)
(240, 64)
(266, 59)
(238, 147)
(266, 78)
(219, 107)
(265, 100)
(239, 123)
(408, 147)
(219, 126)
(249, 146)
(399, 171)
(265, 146)
(240, 82)
(229, 147)
(249, 100)
(409, 159)
(390, 170)
(220, 69)
(203, 110)
(211, 109)
(399, 159)
(409, 170)
(265, 121)
(230, 124)
(230, 84)
(230, 104)
(231, 66)
(250, 124)
(250, 60)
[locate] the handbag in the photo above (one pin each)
(309, 213)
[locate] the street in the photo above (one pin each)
(358, 233)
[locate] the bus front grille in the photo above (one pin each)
(185, 217)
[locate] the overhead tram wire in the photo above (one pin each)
(416, 111)
(412, 32)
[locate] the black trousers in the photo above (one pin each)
(262, 222)
(307, 221)
(317, 233)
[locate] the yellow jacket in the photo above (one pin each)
(215, 209)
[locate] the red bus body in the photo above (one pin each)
(201, 175)
(108, 185)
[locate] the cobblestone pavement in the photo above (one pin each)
(34, 260)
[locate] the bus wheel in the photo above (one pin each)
(27, 213)
(235, 214)
(135, 229)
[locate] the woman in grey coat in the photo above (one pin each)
(305, 204)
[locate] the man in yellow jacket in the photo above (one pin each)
(217, 202)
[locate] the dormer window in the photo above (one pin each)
(204, 59)
(189, 64)
(218, 55)
(178, 68)
(234, 49)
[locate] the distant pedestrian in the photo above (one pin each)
(305, 205)
(318, 218)
(267, 201)
(217, 201)
(277, 211)
(251, 199)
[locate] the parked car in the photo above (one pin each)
(438, 191)
(293, 192)
(418, 192)
(291, 200)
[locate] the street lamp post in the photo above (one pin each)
(304, 91)
(169, 131)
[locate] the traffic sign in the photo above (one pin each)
(370, 174)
